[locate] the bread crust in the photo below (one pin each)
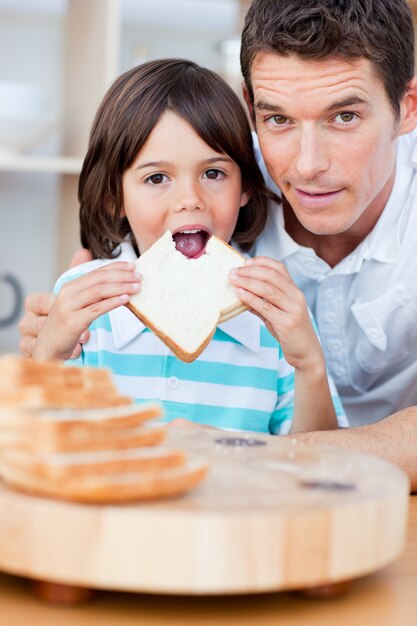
(224, 315)
(41, 440)
(112, 488)
(68, 466)
(61, 420)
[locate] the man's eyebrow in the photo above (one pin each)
(346, 102)
(262, 105)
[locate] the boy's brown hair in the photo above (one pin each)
(128, 113)
(379, 30)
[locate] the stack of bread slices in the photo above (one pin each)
(66, 433)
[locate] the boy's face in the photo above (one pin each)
(178, 182)
(327, 132)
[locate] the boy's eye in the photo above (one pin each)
(213, 174)
(156, 179)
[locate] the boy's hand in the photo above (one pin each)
(79, 303)
(265, 285)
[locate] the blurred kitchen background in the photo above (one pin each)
(57, 58)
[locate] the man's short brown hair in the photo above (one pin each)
(379, 30)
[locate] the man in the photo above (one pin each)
(331, 90)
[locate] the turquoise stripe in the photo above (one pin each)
(338, 406)
(65, 279)
(267, 340)
(92, 359)
(278, 418)
(285, 384)
(219, 417)
(102, 322)
(197, 371)
(220, 335)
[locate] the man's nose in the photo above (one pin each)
(312, 158)
(189, 196)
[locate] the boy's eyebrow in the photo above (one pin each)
(262, 105)
(152, 164)
(161, 164)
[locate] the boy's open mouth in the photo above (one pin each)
(191, 242)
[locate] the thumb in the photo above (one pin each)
(81, 256)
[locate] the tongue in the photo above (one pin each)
(190, 245)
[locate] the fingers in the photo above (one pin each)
(265, 284)
(77, 351)
(81, 256)
(264, 261)
(26, 346)
(30, 325)
(39, 303)
(114, 280)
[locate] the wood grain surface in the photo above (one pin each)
(272, 514)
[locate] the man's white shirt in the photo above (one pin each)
(366, 306)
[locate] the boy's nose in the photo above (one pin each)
(190, 197)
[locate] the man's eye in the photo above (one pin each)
(279, 120)
(156, 179)
(346, 117)
(213, 174)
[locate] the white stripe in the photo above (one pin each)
(192, 392)
(284, 428)
(284, 368)
(286, 400)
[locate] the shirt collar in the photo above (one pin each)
(384, 241)
(244, 328)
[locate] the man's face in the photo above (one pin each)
(327, 132)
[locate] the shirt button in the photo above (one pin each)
(335, 345)
(330, 318)
(338, 371)
(329, 293)
(173, 382)
(374, 334)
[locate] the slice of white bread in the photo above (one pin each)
(183, 300)
(39, 440)
(107, 453)
(64, 420)
(34, 384)
(58, 466)
(118, 487)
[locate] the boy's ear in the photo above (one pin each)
(249, 103)
(244, 197)
(408, 109)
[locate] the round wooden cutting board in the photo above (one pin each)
(272, 514)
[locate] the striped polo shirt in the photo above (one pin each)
(241, 380)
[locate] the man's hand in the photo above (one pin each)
(37, 307)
